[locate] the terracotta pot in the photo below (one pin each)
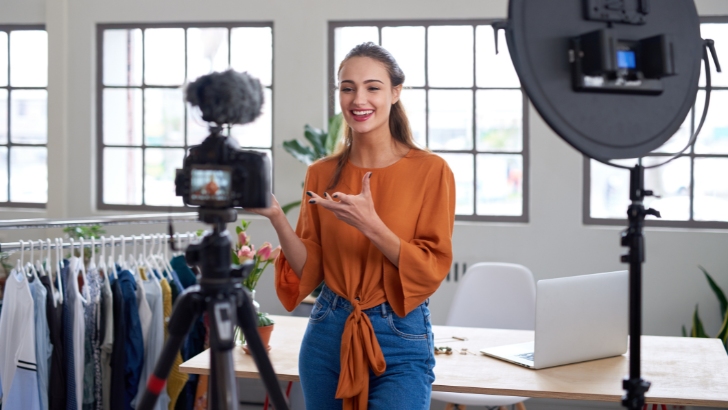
(264, 332)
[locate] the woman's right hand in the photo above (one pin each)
(271, 212)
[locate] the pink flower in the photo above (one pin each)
(246, 252)
(275, 253)
(264, 251)
(243, 239)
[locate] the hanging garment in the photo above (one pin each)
(92, 353)
(57, 379)
(106, 330)
(184, 273)
(78, 331)
(176, 380)
(17, 352)
(117, 392)
(43, 348)
(134, 341)
(69, 315)
(155, 339)
(145, 312)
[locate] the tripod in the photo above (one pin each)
(222, 296)
(632, 237)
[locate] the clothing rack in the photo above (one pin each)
(142, 240)
(102, 220)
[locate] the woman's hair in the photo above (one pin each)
(398, 123)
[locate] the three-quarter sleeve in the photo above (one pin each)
(425, 260)
(290, 288)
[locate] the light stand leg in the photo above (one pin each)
(635, 386)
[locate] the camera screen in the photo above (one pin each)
(626, 59)
(210, 185)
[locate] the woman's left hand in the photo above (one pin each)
(356, 210)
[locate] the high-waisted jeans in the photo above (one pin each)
(407, 344)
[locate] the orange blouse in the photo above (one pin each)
(415, 198)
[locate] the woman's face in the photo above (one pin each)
(366, 94)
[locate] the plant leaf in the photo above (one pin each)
(718, 292)
(698, 330)
(334, 134)
(317, 138)
(234, 257)
(288, 207)
(298, 151)
(238, 230)
(723, 333)
(684, 333)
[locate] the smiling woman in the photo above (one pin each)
(376, 227)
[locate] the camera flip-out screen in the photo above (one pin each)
(209, 185)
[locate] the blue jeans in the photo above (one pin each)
(406, 342)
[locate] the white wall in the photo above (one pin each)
(554, 243)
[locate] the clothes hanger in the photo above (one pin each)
(122, 255)
(49, 272)
(162, 255)
(102, 257)
(112, 264)
(38, 263)
(59, 268)
(29, 265)
(84, 291)
(92, 261)
(19, 269)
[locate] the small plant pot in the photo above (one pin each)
(264, 332)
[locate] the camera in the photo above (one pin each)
(217, 174)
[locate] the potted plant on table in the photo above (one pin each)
(242, 252)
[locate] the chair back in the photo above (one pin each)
(495, 295)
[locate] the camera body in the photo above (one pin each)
(217, 174)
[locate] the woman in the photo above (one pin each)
(376, 225)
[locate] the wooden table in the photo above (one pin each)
(683, 371)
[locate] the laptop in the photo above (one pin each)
(578, 318)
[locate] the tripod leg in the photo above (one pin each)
(185, 314)
(222, 391)
(248, 322)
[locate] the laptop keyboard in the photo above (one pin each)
(527, 356)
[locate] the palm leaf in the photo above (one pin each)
(287, 207)
(317, 138)
(684, 333)
(301, 153)
(334, 134)
(718, 292)
(698, 330)
(723, 333)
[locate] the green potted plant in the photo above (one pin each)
(244, 251)
(697, 329)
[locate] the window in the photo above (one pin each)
(693, 188)
(464, 103)
(144, 125)
(23, 116)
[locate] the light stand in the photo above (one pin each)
(222, 296)
(632, 238)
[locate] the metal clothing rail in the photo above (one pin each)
(102, 220)
(141, 240)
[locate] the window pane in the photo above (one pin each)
(29, 58)
(252, 51)
(164, 56)
(609, 196)
(451, 119)
(160, 166)
(163, 117)
(29, 116)
(123, 176)
(207, 51)
(29, 174)
(407, 45)
(123, 57)
(500, 184)
(122, 116)
(3, 174)
(346, 38)
(197, 128)
(680, 139)
(3, 59)
(259, 132)
(3, 118)
(672, 183)
(462, 168)
(493, 70)
(719, 33)
(711, 189)
(713, 138)
(414, 105)
(450, 56)
(499, 120)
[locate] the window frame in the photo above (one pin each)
(525, 150)
(100, 205)
(8, 28)
(587, 219)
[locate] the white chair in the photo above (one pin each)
(492, 295)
